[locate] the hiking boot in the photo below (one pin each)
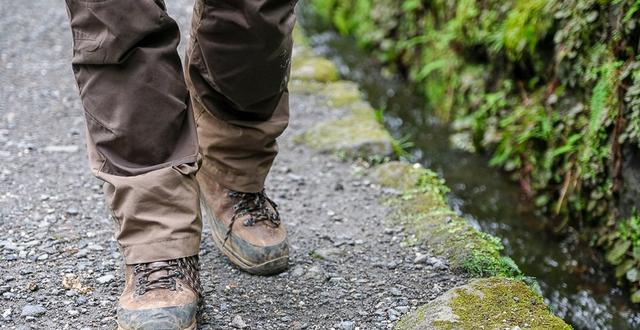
(245, 227)
(160, 295)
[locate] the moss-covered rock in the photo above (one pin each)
(306, 86)
(422, 208)
(313, 68)
(358, 135)
(342, 93)
(489, 303)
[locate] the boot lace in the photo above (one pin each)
(186, 269)
(255, 205)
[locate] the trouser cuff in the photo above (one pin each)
(161, 250)
(232, 179)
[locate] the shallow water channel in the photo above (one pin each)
(573, 276)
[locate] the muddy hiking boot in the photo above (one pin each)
(246, 227)
(160, 295)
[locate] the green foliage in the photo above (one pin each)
(526, 23)
(550, 88)
(624, 250)
(401, 146)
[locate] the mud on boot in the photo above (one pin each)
(161, 295)
(246, 227)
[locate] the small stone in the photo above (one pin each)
(6, 313)
(297, 271)
(437, 263)
(239, 323)
(62, 148)
(402, 309)
(33, 310)
(347, 325)
(43, 257)
(72, 211)
(105, 279)
(329, 254)
(316, 272)
(95, 247)
(81, 301)
(395, 292)
(9, 245)
(32, 286)
(420, 258)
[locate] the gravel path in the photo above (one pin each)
(60, 264)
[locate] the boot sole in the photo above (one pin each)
(191, 327)
(270, 267)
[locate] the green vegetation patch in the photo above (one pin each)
(488, 303)
(313, 68)
(421, 206)
(342, 93)
(549, 88)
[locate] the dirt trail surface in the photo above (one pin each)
(60, 264)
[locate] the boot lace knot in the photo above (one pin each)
(165, 274)
(256, 205)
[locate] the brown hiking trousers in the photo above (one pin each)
(141, 132)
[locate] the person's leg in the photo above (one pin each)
(238, 62)
(142, 142)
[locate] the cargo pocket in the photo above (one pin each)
(105, 30)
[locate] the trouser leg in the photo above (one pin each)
(238, 62)
(140, 129)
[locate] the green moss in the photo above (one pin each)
(305, 86)
(299, 37)
(313, 68)
(341, 93)
(491, 303)
(358, 135)
(423, 209)
(527, 23)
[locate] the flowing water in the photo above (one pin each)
(572, 275)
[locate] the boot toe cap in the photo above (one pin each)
(175, 317)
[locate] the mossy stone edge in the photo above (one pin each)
(421, 206)
(493, 303)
